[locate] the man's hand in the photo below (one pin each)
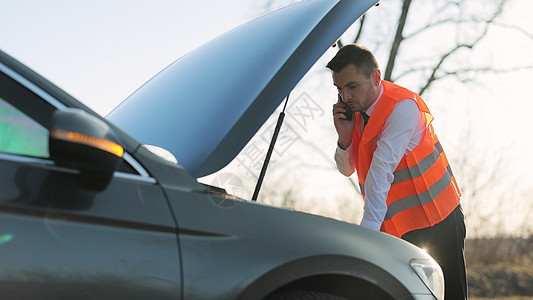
(342, 125)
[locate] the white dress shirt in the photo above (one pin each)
(402, 132)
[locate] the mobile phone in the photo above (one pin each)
(348, 113)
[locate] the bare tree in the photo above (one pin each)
(456, 16)
(466, 26)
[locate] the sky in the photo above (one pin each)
(101, 51)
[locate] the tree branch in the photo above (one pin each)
(340, 44)
(467, 71)
(360, 31)
(517, 28)
(471, 45)
(398, 38)
(443, 58)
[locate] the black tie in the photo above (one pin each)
(365, 118)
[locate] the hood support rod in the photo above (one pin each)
(270, 149)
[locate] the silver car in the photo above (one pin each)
(89, 211)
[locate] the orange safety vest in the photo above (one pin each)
(424, 191)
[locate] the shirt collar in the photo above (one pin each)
(373, 106)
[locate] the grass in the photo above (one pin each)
(500, 268)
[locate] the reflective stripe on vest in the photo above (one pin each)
(414, 172)
(424, 190)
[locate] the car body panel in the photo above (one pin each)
(243, 227)
(65, 241)
(220, 108)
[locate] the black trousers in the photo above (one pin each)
(445, 242)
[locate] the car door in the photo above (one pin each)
(60, 241)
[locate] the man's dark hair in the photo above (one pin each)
(357, 55)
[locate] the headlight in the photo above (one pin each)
(431, 274)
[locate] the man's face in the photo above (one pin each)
(357, 91)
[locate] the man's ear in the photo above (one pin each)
(377, 76)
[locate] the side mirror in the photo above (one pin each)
(83, 142)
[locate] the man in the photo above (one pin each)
(405, 178)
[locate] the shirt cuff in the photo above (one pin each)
(342, 159)
(371, 224)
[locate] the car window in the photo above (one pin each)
(24, 121)
(24, 117)
(19, 134)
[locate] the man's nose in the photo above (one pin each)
(345, 96)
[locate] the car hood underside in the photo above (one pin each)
(208, 104)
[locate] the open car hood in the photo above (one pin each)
(207, 105)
